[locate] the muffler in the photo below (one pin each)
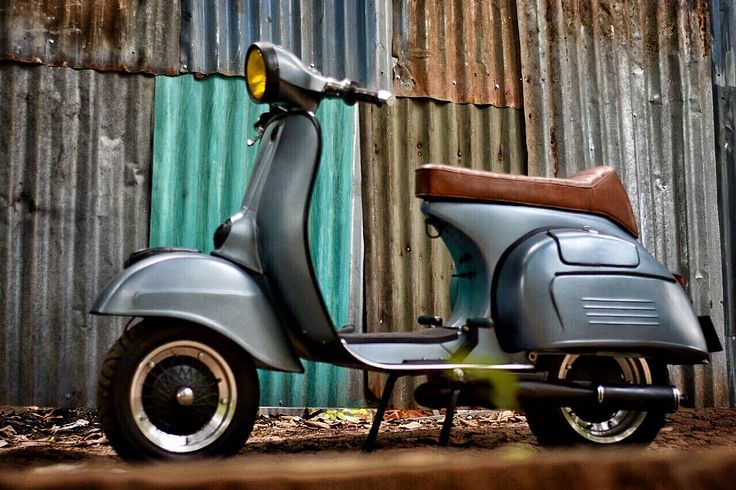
(557, 394)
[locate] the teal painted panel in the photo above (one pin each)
(201, 165)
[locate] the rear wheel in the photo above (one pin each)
(566, 426)
(175, 390)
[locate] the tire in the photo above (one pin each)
(171, 389)
(564, 427)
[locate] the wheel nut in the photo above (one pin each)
(185, 396)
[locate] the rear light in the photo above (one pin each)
(680, 279)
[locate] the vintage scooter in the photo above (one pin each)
(552, 289)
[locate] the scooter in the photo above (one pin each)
(552, 290)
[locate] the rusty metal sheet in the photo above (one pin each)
(459, 51)
(406, 273)
(74, 199)
(723, 14)
(628, 84)
(342, 39)
(105, 35)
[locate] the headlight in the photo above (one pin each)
(262, 73)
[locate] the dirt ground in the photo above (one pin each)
(32, 437)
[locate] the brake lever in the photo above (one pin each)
(351, 92)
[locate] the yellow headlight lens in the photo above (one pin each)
(256, 74)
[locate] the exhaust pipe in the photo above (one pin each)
(557, 394)
(618, 397)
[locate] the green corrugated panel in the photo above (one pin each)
(200, 169)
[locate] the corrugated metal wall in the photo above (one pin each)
(350, 40)
(406, 273)
(605, 82)
(109, 35)
(74, 198)
(609, 81)
(200, 159)
(342, 39)
(628, 83)
(723, 15)
(460, 51)
(200, 168)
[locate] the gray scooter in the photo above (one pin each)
(552, 289)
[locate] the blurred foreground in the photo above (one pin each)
(59, 448)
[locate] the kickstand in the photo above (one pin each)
(388, 388)
(449, 415)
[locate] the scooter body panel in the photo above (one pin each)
(280, 199)
(241, 243)
(206, 290)
(478, 234)
(535, 297)
(572, 290)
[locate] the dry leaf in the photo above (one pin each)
(391, 415)
(317, 424)
(505, 415)
(410, 426)
(8, 431)
(70, 427)
(92, 442)
(406, 414)
(460, 441)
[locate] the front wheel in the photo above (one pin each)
(171, 389)
(566, 426)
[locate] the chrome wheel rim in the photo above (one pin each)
(183, 396)
(612, 426)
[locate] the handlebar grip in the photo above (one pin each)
(351, 93)
(380, 98)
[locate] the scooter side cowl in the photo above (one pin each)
(578, 291)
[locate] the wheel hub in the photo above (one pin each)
(604, 426)
(181, 396)
(168, 395)
(185, 396)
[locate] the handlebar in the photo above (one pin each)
(379, 98)
(351, 93)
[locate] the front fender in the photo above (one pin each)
(205, 290)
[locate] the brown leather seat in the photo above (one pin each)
(596, 190)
